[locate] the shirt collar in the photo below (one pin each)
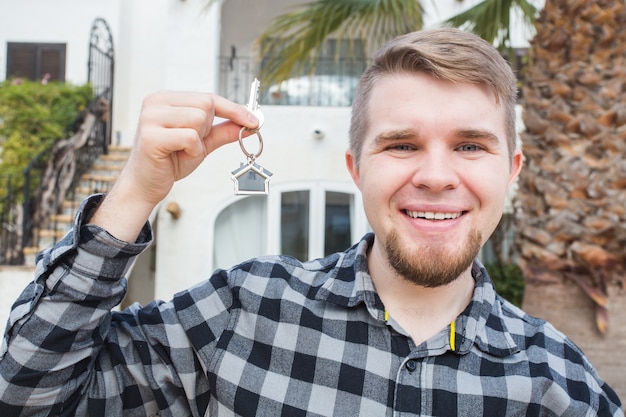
(349, 282)
(481, 324)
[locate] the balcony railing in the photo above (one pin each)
(332, 84)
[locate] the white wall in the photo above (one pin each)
(162, 44)
(244, 20)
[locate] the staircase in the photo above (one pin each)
(99, 179)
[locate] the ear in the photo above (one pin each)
(353, 168)
(516, 165)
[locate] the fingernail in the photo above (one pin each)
(252, 118)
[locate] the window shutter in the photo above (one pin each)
(21, 62)
(51, 63)
(34, 60)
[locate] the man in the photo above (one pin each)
(406, 322)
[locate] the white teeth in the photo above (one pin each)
(431, 215)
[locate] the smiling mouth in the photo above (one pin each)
(433, 215)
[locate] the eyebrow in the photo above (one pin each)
(478, 134)
(394, 135)
(402, 134)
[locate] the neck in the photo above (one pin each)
(448, 300)
(421, 311)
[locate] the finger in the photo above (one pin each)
(180, 132)
(180, 109)
(197, 111)
(173, 117)
(227, 131)
(224, 133)
(212, 104)
(237, 113)
(160, 142)
(178, 98)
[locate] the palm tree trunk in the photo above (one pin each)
(571, 205)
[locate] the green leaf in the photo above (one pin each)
(293, 41)
(491, 19)
(508, 281)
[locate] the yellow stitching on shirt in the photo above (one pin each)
(452, 336)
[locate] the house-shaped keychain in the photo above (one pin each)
(251, 178)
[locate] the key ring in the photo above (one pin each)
(251, 156)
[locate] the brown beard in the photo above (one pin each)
(432, 266)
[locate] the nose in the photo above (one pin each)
(436, 171)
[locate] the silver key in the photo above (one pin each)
(253, 102)
(252, 178)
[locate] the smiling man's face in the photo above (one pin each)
(434, 171)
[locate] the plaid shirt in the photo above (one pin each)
(272, 336)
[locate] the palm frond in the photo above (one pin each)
(491, 19)
(293, 41)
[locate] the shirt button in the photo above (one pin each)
(411, 365)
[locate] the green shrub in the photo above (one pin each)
(508, 280)
(32, 117)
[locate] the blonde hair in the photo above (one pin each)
(447, 54)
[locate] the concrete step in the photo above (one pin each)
(48, 237)
(61, 219)
(69, 207)
(114, 158)
(104, 168)
(119, 148)
(99, 179)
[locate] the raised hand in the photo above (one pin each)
(176, 132)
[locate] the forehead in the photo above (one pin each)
(419, 100)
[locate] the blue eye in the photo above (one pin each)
(401, 147)
(469, 147)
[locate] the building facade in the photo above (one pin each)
(313, 207)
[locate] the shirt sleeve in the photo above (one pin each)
(65, 353)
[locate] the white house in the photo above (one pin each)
(312, 207)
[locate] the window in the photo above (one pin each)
(338, 67)
(35, 61)
(344, 57)
(309, 221)
(305, 221)
(337, 221)
(294, 223)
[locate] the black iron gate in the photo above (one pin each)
(101, 69)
